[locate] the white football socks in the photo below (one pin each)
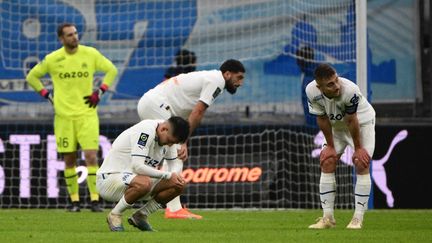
(362, 191)
(328, 193)
(150, 207)
(121, 206)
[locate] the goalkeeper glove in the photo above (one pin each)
(93, 99)
(47, 95)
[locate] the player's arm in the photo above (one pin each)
(140, 155)
(360, 157)
(34, 76)
(354, 129)
(194, 120)
(323, 121)
(352, 122)
(196, 115)
(106, 66)
(325, 126)
(210, 91)
(139, 167)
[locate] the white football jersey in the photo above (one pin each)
(139, 140)
(350, 101)
(182, 92)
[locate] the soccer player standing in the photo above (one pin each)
(75, 121)
(346, 118)
(188, 96)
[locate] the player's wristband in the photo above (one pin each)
(44, 93)
(103, 88)
(166, 175)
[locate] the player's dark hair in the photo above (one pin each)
(61, 27)
(232, 65)
(324, 72)
(180, 128)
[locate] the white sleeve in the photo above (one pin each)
(140, 143)
(171, 153)
(210, 91)
(140, 168)
(314, 107)
(352, 99)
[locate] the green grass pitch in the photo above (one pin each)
(48, 225)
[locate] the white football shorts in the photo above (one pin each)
(342, 138)
(111, 186)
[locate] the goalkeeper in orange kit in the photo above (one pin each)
(75, 121)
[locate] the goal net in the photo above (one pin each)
(279, 41)
(238, 166)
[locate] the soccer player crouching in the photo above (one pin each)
(129, 172)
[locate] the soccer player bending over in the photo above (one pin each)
(346, 118)
(129, 172)
(75, 121)
(188, 96)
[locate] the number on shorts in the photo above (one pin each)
(63, 142)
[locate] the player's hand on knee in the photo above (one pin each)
(361, 158)
(327, 152)
(328, 164)
(182, 153)
(177, 181)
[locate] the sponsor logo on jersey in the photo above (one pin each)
(142, 140)
(67, 75)
(216, 92)
(151, 162)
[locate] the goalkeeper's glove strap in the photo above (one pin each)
(47, 95)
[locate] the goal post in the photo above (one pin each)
(361, 46)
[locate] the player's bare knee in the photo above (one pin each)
(178, 188)
(90, 157)
(328, 165)
(181, 187)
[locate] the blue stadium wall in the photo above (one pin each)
(393, 45)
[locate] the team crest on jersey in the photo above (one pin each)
(142, 140)
(84, 65)
(216, 93)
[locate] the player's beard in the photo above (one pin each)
(72, 45)
(231, 89)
